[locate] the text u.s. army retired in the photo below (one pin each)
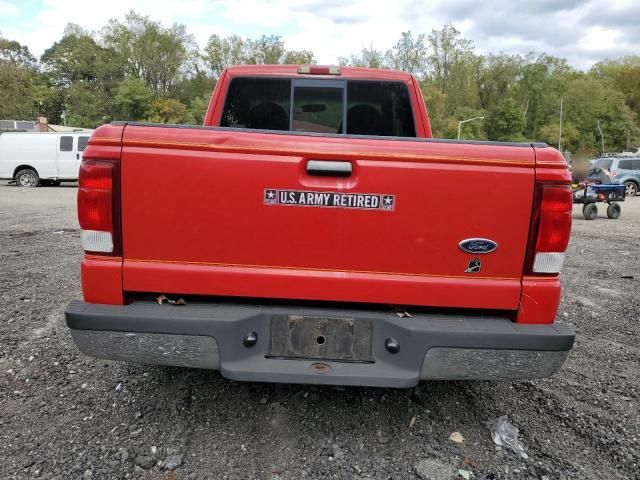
(306, 198)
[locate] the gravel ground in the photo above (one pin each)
(64, 415)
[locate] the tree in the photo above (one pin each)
(85, 107)
(624, 76)
(197, 110)
(221, 53)
(495, 78)
(408, 54)
(267, 50)
(369, 57)
(452, 66)
(17, 55)
(298, 57)
(166, 110)
(19, 93)
(506, 122)
(192, 87)
(150, 51)
(77, 57)
(132, 99)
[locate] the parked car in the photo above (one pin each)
(32, 158)
(622, 170)
(311, 232)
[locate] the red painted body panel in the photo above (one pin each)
(540, 300)
(194, 221)
(102, 280)
(309, 284)
(217, 218)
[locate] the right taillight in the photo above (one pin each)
(95, 206)
(551, 228)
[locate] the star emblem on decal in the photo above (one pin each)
(270, 196)
(388, 202)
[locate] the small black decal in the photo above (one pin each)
(474, 266)
(308, 198)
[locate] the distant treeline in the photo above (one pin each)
(142, 70)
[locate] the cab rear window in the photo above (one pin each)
(336, 107)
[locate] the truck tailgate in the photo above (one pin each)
(210, 211)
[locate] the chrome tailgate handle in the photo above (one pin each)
(329, 168)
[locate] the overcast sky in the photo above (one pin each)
(583, 31)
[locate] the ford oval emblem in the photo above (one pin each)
(477, 245)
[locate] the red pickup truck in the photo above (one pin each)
(312, 231)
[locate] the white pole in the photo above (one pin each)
(560, 135)
(601, 136)
(465, 121)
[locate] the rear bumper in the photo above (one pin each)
(432, 346)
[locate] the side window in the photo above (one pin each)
(636, 164)
(379, 108)
(66, 144)
(624, 165)
(261, 103)
(318, 106)
(82, 143)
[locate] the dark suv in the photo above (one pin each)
(624, 170)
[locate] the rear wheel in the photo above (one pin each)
(630, 189)
(27, 177)
(613, 211)
(590, 211)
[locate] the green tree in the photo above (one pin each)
(408, 54)
(15, 54)
(495, 78)
(149, 51)
(20, 91)
(452, 67)
(267, 50)
(78, 57)
(197, 110)
(298, 57)
(194, 86)
(132, 99)
(85, 107)
(369, 57)
(624, 76)
(506, 122)
(223, 52)
(166, 110)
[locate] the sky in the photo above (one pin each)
(582, 31)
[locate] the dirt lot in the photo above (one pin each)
(64, 415)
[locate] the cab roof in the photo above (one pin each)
(345, 72)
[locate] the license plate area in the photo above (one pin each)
(314, 338)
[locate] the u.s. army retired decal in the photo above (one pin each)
(306, 198)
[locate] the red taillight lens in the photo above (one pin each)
(95, 205)
(550, 228)
(94, 209)
(555, 219)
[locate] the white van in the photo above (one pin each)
(32, 158)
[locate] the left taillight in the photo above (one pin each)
(95, 206)
(551, 228)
